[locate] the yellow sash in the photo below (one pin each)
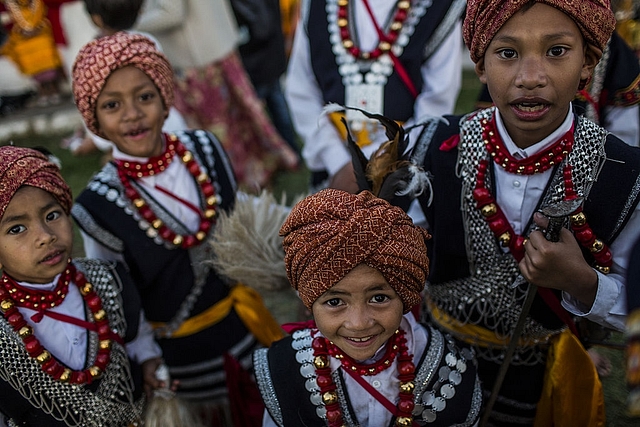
(572, 392)
(250, 308)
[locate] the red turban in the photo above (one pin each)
(101, 57)
(484, 19)
(331, 232)
(25, 166)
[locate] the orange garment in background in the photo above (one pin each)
(30, 44)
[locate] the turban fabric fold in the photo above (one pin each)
(329, 233)
(25, 166)
(99, 58)
(484, 18)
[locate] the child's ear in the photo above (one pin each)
(480, 71)
(592, 56)
(97, 20)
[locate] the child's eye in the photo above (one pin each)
(557, 51)
(507, 53)
(380, 298)
(333, 302)
(147, 96)
(17, 229)
(53, 215)
(109, 105)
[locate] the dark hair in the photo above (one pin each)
(118, 15)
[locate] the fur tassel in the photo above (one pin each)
(246, 243)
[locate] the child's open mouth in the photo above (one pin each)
(530, 107)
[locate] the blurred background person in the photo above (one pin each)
(401, 59)
(32, 48)
(262, 49)
(213, 89)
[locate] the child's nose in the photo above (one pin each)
(132, 111)
(532, 74)
(360, 318)
(46, 235)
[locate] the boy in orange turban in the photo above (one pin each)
(359, 264)
(491, 172)
(71, 331)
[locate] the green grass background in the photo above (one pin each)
(77, 170)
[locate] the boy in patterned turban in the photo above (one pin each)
(359, 264)
(154, 208)
(492, 173)
(67, 327)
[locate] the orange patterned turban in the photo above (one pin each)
(331, 232)
(25, 166)
(101, 57)
(485, 17)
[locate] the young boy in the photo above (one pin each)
(359, 264)
(66, 327)
(111, 16)
(153, 207)
(492, 170)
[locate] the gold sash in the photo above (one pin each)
(250, 308)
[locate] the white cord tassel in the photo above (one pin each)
(165, 409)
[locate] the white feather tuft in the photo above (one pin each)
(416, 185)
(332, 107)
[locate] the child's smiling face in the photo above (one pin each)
(131, 113)
(359, 313)
(532, 68)
(36, 237)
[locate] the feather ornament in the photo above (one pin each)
(246, 243)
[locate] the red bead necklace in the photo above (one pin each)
(533, 164)
(496, 218)
(36, 299)
(396, 347)
(129, 170)
(385, 42)
(48, 363)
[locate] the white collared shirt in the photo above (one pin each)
(518, 196)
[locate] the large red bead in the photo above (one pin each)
(498, 225)
(166, 234)
(324, 381)
(103, 329)
(189, 241)
(406, 368)
(102, 360)
(406, 406)
(333, 416)
(585, 236)
(318, 344)
(94, 302)
(481, 195)
(33, 346)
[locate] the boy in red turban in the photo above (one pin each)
(359, 264)
(491, 172)
(71, 331)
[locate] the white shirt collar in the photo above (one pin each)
(523, 153)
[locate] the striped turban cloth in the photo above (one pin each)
(328, 234)
(484, 18)
(101, 57)
(25, 166)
